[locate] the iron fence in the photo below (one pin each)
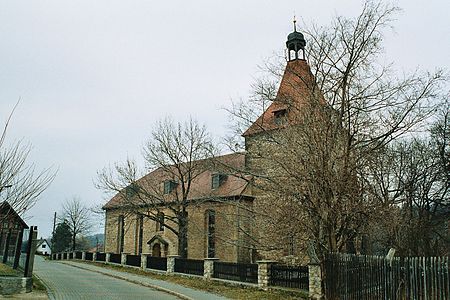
(115, 258)
(157, 263)
(64, 256)
(70, 255)
(78, 255)
(89, 256)
(289, 276)
(189, 266)
(133, 260)
(236, 271)
(100, 256)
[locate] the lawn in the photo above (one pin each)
(216, 287)
(8, 271)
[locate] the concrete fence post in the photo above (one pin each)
(264, 273)
(94, 256)
(208, 267)
(123, 259)
(315, 281)
(171, 263)
(144, 261)
(74, 255)
(83, 255)
(108, 257)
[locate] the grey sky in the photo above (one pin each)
(95, 75)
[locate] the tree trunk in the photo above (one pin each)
(182, 234)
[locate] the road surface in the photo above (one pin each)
(67, 282)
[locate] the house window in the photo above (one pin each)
(169, 186)
(279, 116)
(43, 246)
(120, 233)
(160, 222)
(211, 233)
(217, 180)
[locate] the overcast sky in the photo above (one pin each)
(94, 76)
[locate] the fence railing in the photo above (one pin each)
(290, 277)
(236, 271)
(358, 277)
(115, 258)
(78, 255)
(18, 248)
(189, 266)
(133, 260)
(89, 256)
(157, 263)
(100, 256)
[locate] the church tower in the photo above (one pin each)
(264, 142)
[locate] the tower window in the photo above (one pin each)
(169, 186)
(217, 180)
(280, 116)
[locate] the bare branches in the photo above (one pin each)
(78, 218)
(24, 183)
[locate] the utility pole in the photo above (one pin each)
(54, 223)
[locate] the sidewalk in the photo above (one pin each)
(174, 289)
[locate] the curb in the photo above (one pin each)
(156, 287)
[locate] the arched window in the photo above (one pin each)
(210, 216)
(160, 221)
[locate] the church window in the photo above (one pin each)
(211, 233)
(280, 116)
(160, 221)
(131, 190)
(140, 233)
(169, 186)
(217, 180)
(120, 233)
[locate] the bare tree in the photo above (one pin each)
(412, 178)
(175, 155)
(352, 107)
(78, 217)
(20, 183)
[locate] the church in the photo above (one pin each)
(226, 209)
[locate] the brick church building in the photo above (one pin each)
(225, 207)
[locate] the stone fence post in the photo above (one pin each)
(144, 261)
(315, 281)
(123, 259)
(83, 255)
(108, 257)
(171, 263)
(208, 267)
(94, 256)
(264, 273)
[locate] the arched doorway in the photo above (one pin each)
(156, 250)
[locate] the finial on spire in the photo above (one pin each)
(295, 23)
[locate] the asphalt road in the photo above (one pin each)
(67, 282)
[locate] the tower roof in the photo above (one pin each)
(297, 87)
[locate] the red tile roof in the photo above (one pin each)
(233, 186)
(296, 88)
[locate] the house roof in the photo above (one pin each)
(6, 211)
(296, 89)
(233, 186)
(41, 241)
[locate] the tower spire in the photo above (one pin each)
(296, 43)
